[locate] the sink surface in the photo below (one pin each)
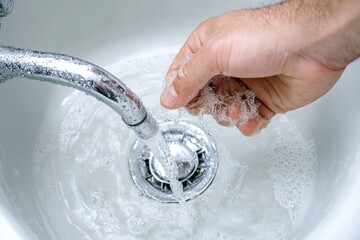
(64, 170)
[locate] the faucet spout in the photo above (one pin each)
(82, 75)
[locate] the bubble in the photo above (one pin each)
(95, 199)
(290, 155)
(106, 219)
(220, 103)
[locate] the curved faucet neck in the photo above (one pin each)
(82, 75)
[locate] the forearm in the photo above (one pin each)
(327, 31)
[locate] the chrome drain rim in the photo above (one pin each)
(194, 152)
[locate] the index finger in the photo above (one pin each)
(191, 46)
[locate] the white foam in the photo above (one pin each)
(220, 104)
(293, 167)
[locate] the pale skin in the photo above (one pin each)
(288, 54)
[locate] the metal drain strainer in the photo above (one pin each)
(195, 156)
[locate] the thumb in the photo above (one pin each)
(185, 81)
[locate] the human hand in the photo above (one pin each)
(267, 51)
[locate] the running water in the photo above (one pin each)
(161, 152)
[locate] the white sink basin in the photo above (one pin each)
(64, 156)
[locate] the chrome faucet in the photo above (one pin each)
(79, 74)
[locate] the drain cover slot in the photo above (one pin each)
(195, 156)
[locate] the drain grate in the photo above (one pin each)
(195, 156)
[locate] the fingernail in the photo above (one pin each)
(169, 97)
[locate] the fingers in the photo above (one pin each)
(236, 114)
(191, 69)
(253, 126)
(240, 108)
(184, 85)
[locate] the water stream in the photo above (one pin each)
(161, 151)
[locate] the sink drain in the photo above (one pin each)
(194, 154)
